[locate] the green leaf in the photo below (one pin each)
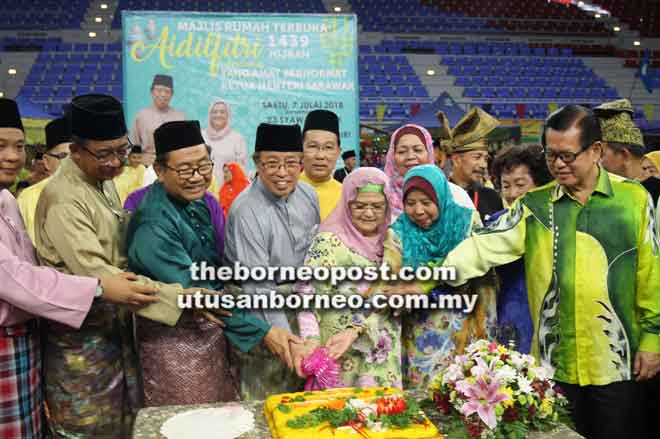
(284, 408)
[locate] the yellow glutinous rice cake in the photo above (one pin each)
(347, 413)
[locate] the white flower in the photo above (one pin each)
(518, 361)
(453, 373)
(542, 373)
(529, 359)
(550, 370)
(506, 374)
(525, 385)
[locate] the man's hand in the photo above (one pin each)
(301, 351)
(278, 342)
(122, 290)
(339, 343)
(213, 317)
(647, 365)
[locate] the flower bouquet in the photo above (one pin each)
(495, 392)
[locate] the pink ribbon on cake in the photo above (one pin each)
(322, 370)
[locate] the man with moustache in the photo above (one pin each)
(592, 265)
(321, 148)
(148, 119)
(58, 138)
(468, 152)
(28, 291)
(90, 373)
(272, 223)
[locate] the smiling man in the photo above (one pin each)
(150, 118)
(178, 224)
(91, 386)
(592, 266)
(58, 139)
(469, 159)
(272, 223)
(321, 148)
(28, 291)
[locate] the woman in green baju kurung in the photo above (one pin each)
(366, 344)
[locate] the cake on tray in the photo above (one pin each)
(347, 413)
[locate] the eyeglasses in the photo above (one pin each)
(204, 170)
(290, 166)
(315, 148)
(363, 207)
(59, 155)
(106, 156)
(565, 156)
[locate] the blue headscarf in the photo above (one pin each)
(421, 246)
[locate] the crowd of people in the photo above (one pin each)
(559, 242)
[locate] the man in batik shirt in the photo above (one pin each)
(593, 276)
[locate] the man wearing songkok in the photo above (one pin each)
(58, 138)
(623, 143)
(321, 148)
(132, 177)
(592, 269)
(272, 223)
(90, 374)
(468, 152)
(148, 119)
(349, 164)
(28, 291)
(179, 223)
(623, 154)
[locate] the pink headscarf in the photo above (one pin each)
(396, 180)
(339, 221)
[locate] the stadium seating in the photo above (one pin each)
(297, 6)
(42, 15)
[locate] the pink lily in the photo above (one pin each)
(482, 399)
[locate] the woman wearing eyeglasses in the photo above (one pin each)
(367, 346)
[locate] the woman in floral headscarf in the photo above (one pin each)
(431, 225)
(227, 145)
(367, 345)
(411, 145)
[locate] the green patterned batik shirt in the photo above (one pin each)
(593, 275)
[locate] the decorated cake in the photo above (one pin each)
(347, 413)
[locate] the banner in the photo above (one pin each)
(234, 71)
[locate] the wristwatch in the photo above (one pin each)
(99, 290)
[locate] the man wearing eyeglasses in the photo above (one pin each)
(179, 223)
(592, 269)
(321, 148)
(28, 291)
(272, 223)
(58, 139)
(90, 373)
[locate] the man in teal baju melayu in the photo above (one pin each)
(176, 224)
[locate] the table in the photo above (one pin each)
(149, 420)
